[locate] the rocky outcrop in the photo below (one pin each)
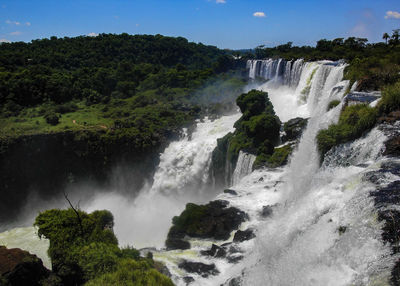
(358, 97)
(215, 251)
(293, 129)
(266, 211)
(231, 192)
(214, 220)
(19, 268)
(257, 132)
(199, 268)
(243, 235)
(387, 195)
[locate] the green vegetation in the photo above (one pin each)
(278, 158)
(390, 100)
(353, 122)
(132, 273)
(83, 247)
(257, 132)
(110, 82)
(357, 119)
(333, 104)
(189, 220)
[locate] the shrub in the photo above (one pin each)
(333, 104)
(390, 98)
(353, 122)
(52, 118)
(132, 273)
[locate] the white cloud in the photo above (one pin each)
(392, 15)
(16, 33)
(13, 23)
(92, 34)
(259, 14)
(16, 23)
(4, 41)
(220, 1)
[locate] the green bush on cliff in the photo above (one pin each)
(390, 100)
(353, 122)
(83, 246)
(333, 104)
(278, 158)
(189, 220)
(132, 273)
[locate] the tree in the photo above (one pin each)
(386, 37)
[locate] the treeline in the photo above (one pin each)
(97, 68)
(374, 65)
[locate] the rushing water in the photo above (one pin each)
(181, 177)
(323, 229)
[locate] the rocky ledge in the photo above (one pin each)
(214, 220)
(19, 268)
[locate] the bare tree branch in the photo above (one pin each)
(77, 214)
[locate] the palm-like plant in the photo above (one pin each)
(386, 37)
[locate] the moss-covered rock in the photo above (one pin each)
(294, 129)
(214, 220)
(257, 132)
(278, 158)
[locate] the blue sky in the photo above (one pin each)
(231, 24)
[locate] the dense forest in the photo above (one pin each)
(101, 81)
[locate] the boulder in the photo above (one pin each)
(19, 267)
(199, 268)
(392, 147)
(234, 258)
(243, 235)
(214, 220)
(266, 211)
(236, 281)
(231, 192)
(188, 280)
(215, 251)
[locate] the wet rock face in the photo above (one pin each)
(19, 268)
(231, 192)
(266, 211)
(215, 251)
(387, 199)
(243, 235)
(214, 220)
(393, 147)
(188, 280)
(200, 268)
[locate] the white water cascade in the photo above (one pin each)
(244, 166)
(323, 228)
(180, 178)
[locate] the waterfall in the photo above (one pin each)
(278, 70)
(244, 166)
(323, 231)
(181, 177)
